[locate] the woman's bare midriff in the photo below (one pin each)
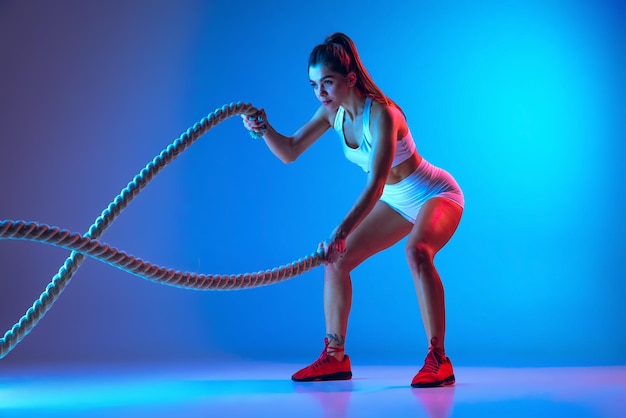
(404, 169)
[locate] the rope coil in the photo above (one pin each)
(88, 244)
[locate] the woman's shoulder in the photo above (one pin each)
(386, 111)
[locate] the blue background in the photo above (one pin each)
(523, 102)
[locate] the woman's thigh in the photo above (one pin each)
(435, 224)
(381, 228)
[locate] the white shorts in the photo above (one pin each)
(427, 181)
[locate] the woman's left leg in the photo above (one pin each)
(436, 222)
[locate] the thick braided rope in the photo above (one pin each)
(33, 231)
(90, 246)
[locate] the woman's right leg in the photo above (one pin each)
(382, 228)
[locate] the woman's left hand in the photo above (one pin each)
(334, 247)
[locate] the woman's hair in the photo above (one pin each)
(338, 53)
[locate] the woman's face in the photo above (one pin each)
(330, 87)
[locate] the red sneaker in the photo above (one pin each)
(326, 367)
(437, 370)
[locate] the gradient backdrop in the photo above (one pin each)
(523, 102)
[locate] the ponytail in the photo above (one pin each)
(339, 54)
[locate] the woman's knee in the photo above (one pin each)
(340, 268)
(336, 269)
(420, 256)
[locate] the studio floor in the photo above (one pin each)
(265, 390)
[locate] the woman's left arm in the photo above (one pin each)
(384, 126)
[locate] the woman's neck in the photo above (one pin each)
(354, 104)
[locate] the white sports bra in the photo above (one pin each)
(361, 156)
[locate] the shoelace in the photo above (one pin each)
(432, 363)
(325, 357)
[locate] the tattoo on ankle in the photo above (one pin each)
(336, 340)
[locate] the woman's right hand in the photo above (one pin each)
(256, 122)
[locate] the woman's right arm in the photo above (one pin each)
(289, 148)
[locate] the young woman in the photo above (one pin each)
(404, 195)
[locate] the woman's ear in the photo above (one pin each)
(351, 79)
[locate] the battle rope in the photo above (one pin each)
(88, 244)
(63, 238)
